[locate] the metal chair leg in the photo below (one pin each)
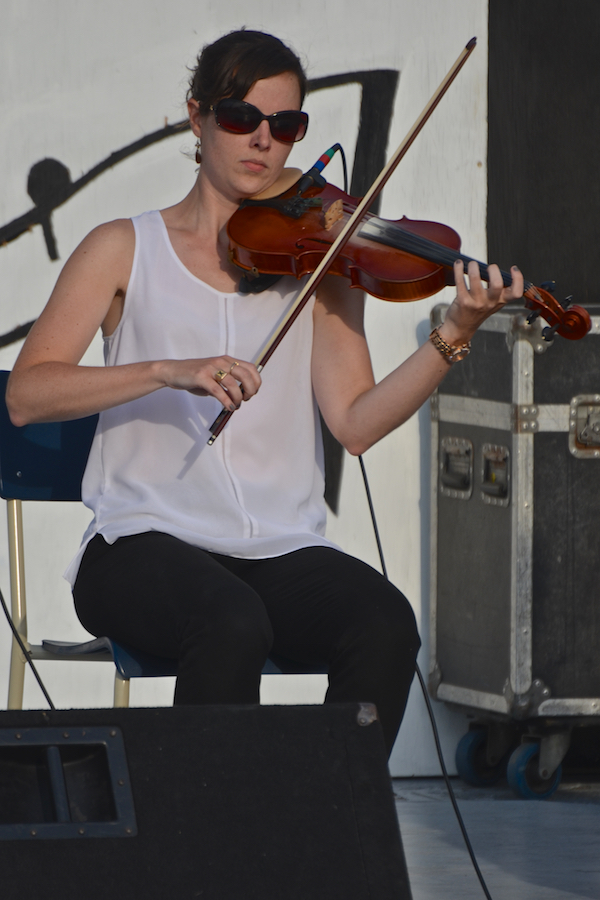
(16, 558)
(121, 696)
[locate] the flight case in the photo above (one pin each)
(515, 617)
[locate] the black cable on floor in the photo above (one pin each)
(451, 793)
(25, 651)
(434, 727)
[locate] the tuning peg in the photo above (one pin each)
(549, 286)
(533, 316)
(567, 301)
(549, 332)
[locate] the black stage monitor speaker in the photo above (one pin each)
(214, 802)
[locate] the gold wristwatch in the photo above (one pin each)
(451, 354)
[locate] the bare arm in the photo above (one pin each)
(359, 412)
(48, 384)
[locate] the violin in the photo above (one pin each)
(402, 260)
(306, 227)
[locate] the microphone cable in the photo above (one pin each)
(434, 727)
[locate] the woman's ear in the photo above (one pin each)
(194, 115)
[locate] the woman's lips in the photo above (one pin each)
(254, 165)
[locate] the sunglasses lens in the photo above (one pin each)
(240, 117)
(289, 126)
(237, 117)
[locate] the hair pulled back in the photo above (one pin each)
(233, 63)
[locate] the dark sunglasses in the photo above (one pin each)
(240, 117)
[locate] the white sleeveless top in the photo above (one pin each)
(258, 491)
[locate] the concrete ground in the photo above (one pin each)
(526, 849)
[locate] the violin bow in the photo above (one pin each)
(346, 233)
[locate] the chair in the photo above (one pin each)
(46, 462)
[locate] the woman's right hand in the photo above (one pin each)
(202, 377)
(47, 383)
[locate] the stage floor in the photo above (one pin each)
(526, 849)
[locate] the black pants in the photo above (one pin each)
(221, 616)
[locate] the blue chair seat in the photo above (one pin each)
(133, 663)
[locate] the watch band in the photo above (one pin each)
(450, 353)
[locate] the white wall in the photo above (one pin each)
(81, 79)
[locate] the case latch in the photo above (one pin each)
(584, 426)
(456, 468)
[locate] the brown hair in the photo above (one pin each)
(232, 64)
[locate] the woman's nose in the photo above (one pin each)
(262, 136)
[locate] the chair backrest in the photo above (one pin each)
(45, 461)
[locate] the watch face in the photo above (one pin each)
(460, 353)
(451, 354)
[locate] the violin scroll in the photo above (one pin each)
(572, 323)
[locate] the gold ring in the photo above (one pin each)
(220, 375)
(233, 365)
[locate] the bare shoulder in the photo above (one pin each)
(114, 240)
(117, 230)
(101, 264)
(96, 273)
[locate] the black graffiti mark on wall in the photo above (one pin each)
(376, 108)
(49, 185)
(49, 182)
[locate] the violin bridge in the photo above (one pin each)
(333, 213)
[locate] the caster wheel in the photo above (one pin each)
(471, 762)
(524, 777)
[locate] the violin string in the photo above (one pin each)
(402, 239)
(391, 234)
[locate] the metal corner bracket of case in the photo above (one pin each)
(525, 418)
(527, 704)
(521, 330)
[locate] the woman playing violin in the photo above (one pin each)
(217, 555)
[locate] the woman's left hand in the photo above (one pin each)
(476, 301)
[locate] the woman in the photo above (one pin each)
(215, 556)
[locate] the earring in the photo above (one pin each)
(198, 152)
